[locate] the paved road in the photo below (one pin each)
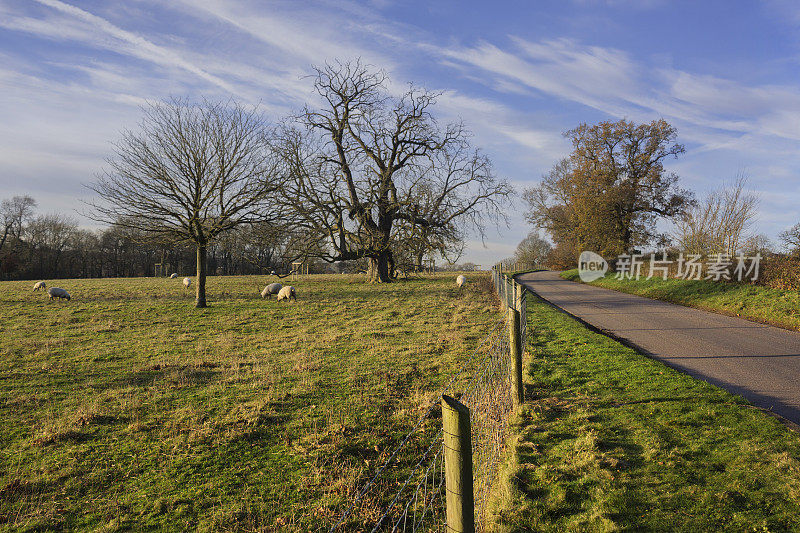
(759, 362)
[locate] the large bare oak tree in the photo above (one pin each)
(189, 173)
(370, 173)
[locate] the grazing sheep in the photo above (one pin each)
(39, 285)
(460, 281)
(272, 288)
(187, 282)
(287, 293)
(173, 275)
(56, 292)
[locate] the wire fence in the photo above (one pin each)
(512, 295)
(409, 487)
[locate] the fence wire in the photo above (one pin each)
(409, 487)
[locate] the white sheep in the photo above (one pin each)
(173, 275)
(187, 282)
(39, 285)
(56, 292)
(272, 288)
(460, 281)
(287, 293)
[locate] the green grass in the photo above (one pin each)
(126, 408)
(612, 440)
(761, 304)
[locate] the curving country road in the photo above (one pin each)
(759, 362)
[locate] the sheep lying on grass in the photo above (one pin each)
(287, 293)
(56, 292)
(272, 288)
(173, 275)
(460, 281)
(187, 282)
(39, 285)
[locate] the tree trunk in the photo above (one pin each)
(379, 271)
(420, 257)
(201, 276)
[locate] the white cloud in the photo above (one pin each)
(610, 81)
(308, 36)
(100, 33)
(592, 76)
(489, 118)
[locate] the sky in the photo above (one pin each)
(73, 75)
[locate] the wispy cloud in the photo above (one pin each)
(592, 76)
(610, 81)
(306, 35)
(98, 32)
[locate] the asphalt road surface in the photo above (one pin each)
(761, 363)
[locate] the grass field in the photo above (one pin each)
(126, 408)
(614, 441)
(761, 304)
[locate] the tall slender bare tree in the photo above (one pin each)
(720, 222)
(189, 173)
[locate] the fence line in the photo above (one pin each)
(410, 484)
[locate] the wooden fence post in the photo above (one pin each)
(514, 295)
(458, 466)
(516, 356)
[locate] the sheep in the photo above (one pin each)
(187, 282)
(173, 275)
(272, 288)
(39, 285)
(287, 293)
(460, 281)
(56, 292)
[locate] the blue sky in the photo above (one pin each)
(519, 73)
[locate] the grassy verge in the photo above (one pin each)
(761, 304)
(612, 440)
(126, 408)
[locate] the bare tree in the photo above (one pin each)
(719, 223)
(791, 239)
(191, 172)
(367, 167)
(48, 238)
(533, 250)
(758, 244)
(13, 214)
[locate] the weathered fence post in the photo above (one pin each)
(516, 356)
(458, 466)
(514, 290)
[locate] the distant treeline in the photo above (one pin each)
(53, 246)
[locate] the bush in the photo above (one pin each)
(780, 272)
